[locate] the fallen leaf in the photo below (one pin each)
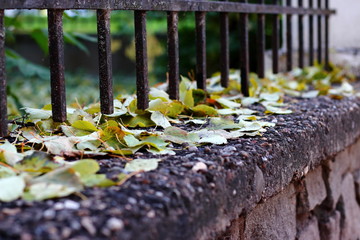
(142, 165)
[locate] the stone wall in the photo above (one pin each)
(324, 204)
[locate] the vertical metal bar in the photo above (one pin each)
(201, 49)
(311, 36)
(244, 52)
(3, 101)
(105, 61)
(142, 81)
(173, 54)
(57, 69)
(261, 44)
(319, 21)
(289, 38)
(275, 41)
(225, 57)
(301, 37)
(327, 60)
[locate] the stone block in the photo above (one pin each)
(356, 175)
(335, 170)
(330, 229)
(315, 188)
(310, 231)
(235, 231)
(351, 210)
(354, 152)
(274, 219)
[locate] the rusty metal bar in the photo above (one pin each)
(327, 60)
(301, 36)
(105, 62)
(201, 49)
(244, 52)
(161, 5)
(275, 41)
(3, 101)
(319, 37)
(289, 39)
(57, 68)
(261, 43)
(173, 54)
(142, 81)
(225, 57)
(311, 36)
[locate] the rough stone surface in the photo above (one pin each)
(330, 229)
(335, 171)
(310, 231)
(354, 152)
(315, 188)
(356, 175)
(175, 202)
(351, 210)
(235, 231)
(274, 219)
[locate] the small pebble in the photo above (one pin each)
(115, 224)
(151, 214)
(207, 150)
(228, 151)
(193, 149)
(200, 166)
(132, 201)
(69, 204)
(87, 223)
(49, 214)
(59, 206)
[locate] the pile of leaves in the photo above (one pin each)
(34, 159)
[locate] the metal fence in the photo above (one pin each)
(264, 11)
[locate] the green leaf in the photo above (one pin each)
(37, 113)
(131, 141)
(186, 93)
(174, 109)
(11, 188)
(212, 137)
(36, 164)
(138, 121)
(160, 120)
(270, 97)
(59, 145)
(179, 136)
(228, 103)
(6, 172)
(223, 123)
(58, 183)
(41, 38)
(8, 154)
(276, 110)
(142, 165)
(85, 167)
(199, 96)
(97, 180)
(158, 94)
(84, 125)
(71, 38)
(204, 111)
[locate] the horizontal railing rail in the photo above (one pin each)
(172, 7)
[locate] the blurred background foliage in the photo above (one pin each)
(27, 52)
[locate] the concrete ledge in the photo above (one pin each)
(175, 202)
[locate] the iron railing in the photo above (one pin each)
(172, 7)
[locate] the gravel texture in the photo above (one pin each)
(194, 194)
